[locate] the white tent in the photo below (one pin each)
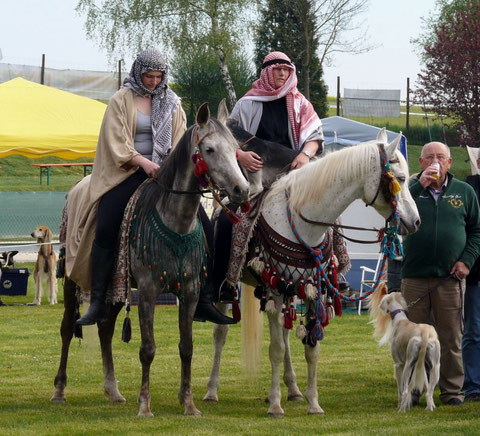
(341, 132)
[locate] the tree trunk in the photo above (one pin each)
(306, 64)
(226, 79)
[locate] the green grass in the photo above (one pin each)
(17, 173)
(355, 379)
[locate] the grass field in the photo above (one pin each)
(356, 384)
(17, 173)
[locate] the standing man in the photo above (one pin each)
(471, 335)
(438, 258)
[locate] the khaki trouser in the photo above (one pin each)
(441, 308)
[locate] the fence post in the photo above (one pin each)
(42, 71)
(408, 106)
(119, 74)
(338, 95)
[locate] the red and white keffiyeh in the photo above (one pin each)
(303, 118)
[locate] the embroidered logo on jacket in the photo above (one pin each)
(455, 200)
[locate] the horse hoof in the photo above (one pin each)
(210, 398)
(295, 397)
(276, 415)
(58, 399)
(117, 399)
(193, 412)
(316, 411)
(145, 414)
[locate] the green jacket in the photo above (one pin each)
(450, 230)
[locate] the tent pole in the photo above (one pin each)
(42, 71)
(338, 95)
(408, 105)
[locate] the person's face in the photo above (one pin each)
(436, 152)
(151, 79)
(280, 76)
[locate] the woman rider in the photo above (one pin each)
(143, 120)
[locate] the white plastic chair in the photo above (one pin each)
(369, 277)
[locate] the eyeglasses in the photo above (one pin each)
(440, 157)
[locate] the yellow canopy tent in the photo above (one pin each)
(38, 121)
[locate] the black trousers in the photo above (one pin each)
(111, 208)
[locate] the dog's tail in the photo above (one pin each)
(414, 377)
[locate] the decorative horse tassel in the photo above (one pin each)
(290, 290)
(257, 264)
(330, 309)
(288, 320)
(292, 311)
(301, 331)
(282, 285)
(273, 279)
(259, 292)
(266, 273)
(127, 325)
(236, 314)
(233, 217)
(310, 290)
(337, 305)
(270, 306)
(301, 289)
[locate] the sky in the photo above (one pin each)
(30, 28)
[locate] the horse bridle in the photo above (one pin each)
(384, 183)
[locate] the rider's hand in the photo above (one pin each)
(249, 160)
(150, 167)
(301, 160)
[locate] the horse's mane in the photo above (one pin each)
(309, 183)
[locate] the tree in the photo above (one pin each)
(197, 79)
(134, 24)
(286, 25)
(449, 85)
(311, 32)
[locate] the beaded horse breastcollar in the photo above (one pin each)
(284, 250)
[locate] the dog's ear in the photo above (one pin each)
(48, 234)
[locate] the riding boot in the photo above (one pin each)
(206, 311)
(102, 264)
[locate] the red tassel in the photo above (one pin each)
(288, 320)
(337, 305)
(292, 313)
(201, 167)
(274, 279)
(237, 316)
(327, 319)
(301, 289)
(266, 273)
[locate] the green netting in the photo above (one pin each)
(21, 212)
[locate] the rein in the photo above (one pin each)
(391, 246)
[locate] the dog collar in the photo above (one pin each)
(396, 312)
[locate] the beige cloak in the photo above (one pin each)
(115, 149)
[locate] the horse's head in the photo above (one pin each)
(377, 192)
(218, 148)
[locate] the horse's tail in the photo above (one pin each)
(252, 328)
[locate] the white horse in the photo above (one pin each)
(319, 192)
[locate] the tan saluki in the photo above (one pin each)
(415, 347)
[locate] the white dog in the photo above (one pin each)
(45, 266)
(415, 347)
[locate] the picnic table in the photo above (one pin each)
(45, 168)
